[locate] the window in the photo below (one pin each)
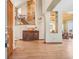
(19, 11)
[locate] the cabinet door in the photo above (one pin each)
(27, 35)
(36, 35)
(30, 35)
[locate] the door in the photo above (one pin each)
(10, 28)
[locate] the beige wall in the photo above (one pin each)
(40, 23)
(66, 16)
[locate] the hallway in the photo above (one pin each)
(38, 50)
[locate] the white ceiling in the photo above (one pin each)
(18, 2)
(65, 5)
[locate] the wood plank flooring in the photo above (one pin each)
(39, 50)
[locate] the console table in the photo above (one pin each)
(30, 35)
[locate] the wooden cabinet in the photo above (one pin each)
(30, 35)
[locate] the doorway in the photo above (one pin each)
(67, 26)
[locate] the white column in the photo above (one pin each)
(54, 37)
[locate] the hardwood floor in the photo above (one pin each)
(39, 50)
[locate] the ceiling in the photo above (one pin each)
(53, 4)
(65, 5)
(18, 2)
